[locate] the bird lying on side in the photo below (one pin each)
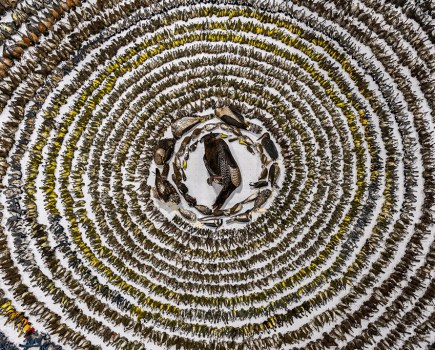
(221, 166)
(231, 116)
(269, 146)
(165, 190)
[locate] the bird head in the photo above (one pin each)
(208, 137)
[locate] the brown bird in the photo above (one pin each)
(165, 190)
(165, 148)
(232, 116)
(184, 124)
(221, 166)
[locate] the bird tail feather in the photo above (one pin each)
(223, 195)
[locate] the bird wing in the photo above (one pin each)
(234, 170)
(233, 120)
(270, 147)
(211, 158)
(208, 166)
(160, 186)
(237, 112)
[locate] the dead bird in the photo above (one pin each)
(264, 160)
(246, 140)
(221, 166)
(241, 218)
(180, 185)
(232, 116)
(165, 170)
(203, 209)
(165, 148)
(193, 146)
(251, 198)
(165, 190)
(184, 143)
(262, 198)
(264, 173)
(250, 149)
(184, 124)
(219, 212)
(274, 173)
(214, 223)
(259, 184)
(210, 127)
(236, 208)
(189, 199)
(269, 146)
(187, 214)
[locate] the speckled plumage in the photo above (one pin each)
(221, 166)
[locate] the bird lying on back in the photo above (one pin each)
(221, 166)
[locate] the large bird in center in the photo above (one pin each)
(221, 166)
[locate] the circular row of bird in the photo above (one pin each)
(334, 259)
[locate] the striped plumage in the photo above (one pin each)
(221, 166)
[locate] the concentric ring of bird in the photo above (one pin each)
(207, 189)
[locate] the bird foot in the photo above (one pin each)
(217, 179)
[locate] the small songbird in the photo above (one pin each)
(213, 223)
(221, 166)
(262, 198)
(274, 173)
(259, 184)
(165, 148)
(231, 116)
(187, 214)
(165, 190)
(269, 146)
(241, 218)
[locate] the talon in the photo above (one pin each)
(217, 179)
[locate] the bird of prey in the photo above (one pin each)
(221, 166)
